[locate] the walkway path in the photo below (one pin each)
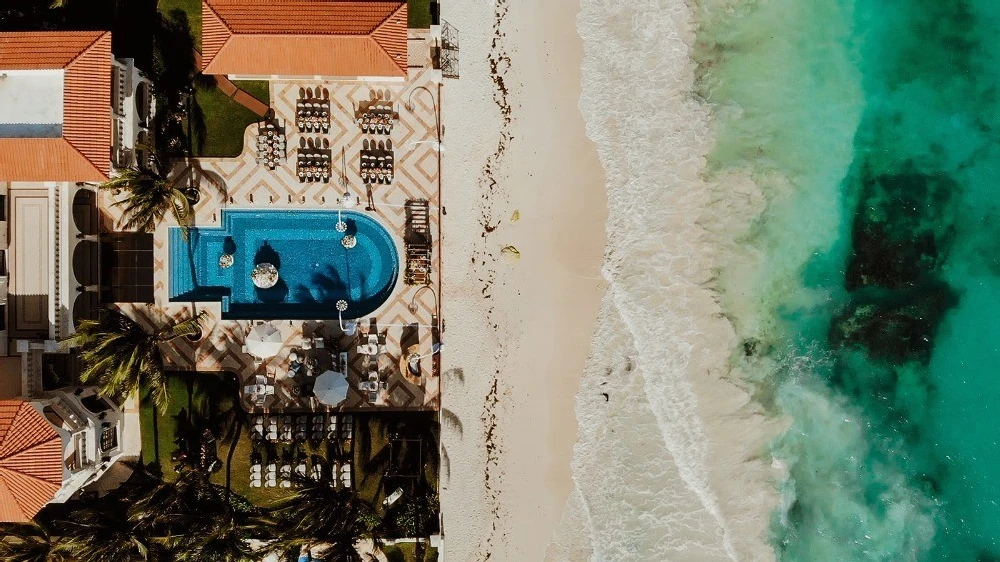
(233, 91)
(241, 96)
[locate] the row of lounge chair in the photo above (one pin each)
(376, 162)
(313, 165)
(377, 115)
(272, 475)
(312, 112)
(270, 144)
(301, 428)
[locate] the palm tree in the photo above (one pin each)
(104, 535)
(120, 357)
(27, 542)
(150, 197)
(195, 520)
(227, 539)
(320, 515)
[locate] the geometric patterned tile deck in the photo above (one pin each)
(241, 183)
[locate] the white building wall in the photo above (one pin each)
(85, 430)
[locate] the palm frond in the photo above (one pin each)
(183, 328)
(26, 542)
(120, 358)
(149, 197)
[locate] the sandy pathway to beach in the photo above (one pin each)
(523, 248)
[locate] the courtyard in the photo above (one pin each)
(409, 319)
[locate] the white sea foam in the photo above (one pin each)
(666, 466)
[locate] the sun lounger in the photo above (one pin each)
(393, 497)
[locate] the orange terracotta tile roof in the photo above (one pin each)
(83, 153)
(31, 461)
(304, 37)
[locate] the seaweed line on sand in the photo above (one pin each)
(491, 189)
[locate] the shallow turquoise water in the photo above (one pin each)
(872, 129)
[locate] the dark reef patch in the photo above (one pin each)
(895, 326)
(901, 234)
(902, 228)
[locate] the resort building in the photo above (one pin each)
(53, 446)
(70, 113)
(305, 39)
(310, 255)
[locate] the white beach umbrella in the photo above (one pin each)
(265, 341)
(331, 388)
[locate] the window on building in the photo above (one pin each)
(109, 437)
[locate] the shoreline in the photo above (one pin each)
(672, 460)
(524, 243)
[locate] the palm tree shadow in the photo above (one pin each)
(229, 245)
(302, 294)
(267, 254)
(174, 72)
(451, 419)
(330, 285)
(277, 293)
(455, 373)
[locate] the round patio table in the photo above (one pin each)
(264, 276)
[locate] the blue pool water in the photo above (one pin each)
(314, 267)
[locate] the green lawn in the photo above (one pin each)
(419, 13)
(225, 122)
(407, 552)
(211, 401)
(193, 10)
(396, 450)
(198, 401)
(158, 436)
(240, 481)
(259, 89)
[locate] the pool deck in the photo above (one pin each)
(242, 183)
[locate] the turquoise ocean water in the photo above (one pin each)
(870, 312)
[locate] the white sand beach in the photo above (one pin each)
(669, 458)
(518, 329)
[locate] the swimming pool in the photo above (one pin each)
(315, 269)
